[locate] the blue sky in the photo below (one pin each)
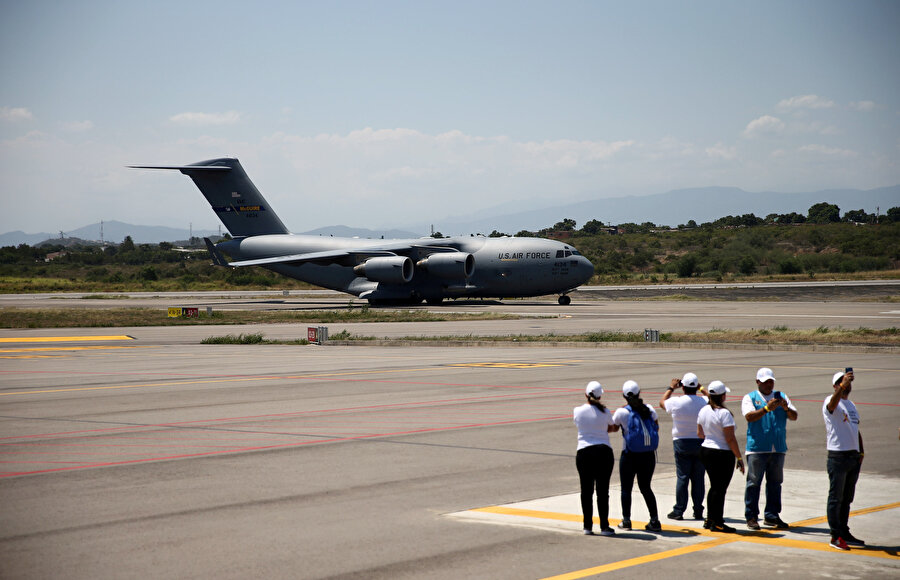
(380, 114)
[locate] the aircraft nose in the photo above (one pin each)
(585, 270)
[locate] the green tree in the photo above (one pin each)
(686, 266)
(496, 234)
(567, 225)
(592, 227)
(824, 213)
(859, 216)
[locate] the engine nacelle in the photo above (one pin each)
(454, 265)
(389, 269)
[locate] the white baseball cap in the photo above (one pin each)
(764, 374)
(594, 389)
(837, 377)
(631, 388)
(717, 388)
(690, 381)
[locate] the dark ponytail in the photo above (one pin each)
(718, 402)
(596, 403)
(637, 406)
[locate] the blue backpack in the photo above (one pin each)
(642, 434)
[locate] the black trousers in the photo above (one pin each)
(719, 465)
(595, 465)
(641, 465)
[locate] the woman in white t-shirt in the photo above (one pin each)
(594, 457)
(715, 425)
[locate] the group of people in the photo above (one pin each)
(704, 441)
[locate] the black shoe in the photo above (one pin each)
(624, 524)
(848, 537)
(753, 524)
(776, 523)
(653, 526)
(705, 524)
(675, 516)
(721, 528)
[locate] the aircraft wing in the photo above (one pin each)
(352, 256)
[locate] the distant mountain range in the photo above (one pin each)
(672, 208)
(114, 232)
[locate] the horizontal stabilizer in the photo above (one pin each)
(183, 168)
(214, 253)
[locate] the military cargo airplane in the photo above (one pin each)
(380, 271)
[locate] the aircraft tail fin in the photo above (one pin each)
(239, 205)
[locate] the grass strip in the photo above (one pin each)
(119, 317)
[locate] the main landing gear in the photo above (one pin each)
(565, 300)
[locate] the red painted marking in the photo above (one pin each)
(277, 446)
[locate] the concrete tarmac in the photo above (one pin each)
(155, 456)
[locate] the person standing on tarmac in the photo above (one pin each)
(685, 443)
(639, 422)
(767, 412)
(845, 457)
(594, 458)
(715, 425)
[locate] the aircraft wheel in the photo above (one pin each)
(565, 300)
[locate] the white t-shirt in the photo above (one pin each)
(842, 426)
(684, 410)
(714, 422)
(592, 425)
(620, 417)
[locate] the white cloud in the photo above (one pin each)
(78, 126)
(863, 106)
(765, 125)
(15, 114)
(828, 151)
(191, 118)
(722, 151)
(805, 102)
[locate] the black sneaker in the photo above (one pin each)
(848, 537)
(675, 516)
(624, 525)
(776, 523)
(653, 526)
(705, 524)
(722, 528)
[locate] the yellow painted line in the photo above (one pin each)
(508, 511)
(860, 512)
(754, 538)
(68, 348)
(641, 560)
(64, 338)
(497, 365)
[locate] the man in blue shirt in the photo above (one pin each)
(767, 412)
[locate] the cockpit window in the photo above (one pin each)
(559, 254)
(576, 253)
(568, 253)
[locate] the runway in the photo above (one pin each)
(148, 454)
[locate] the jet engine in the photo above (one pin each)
(455, 265)
(390, 269)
